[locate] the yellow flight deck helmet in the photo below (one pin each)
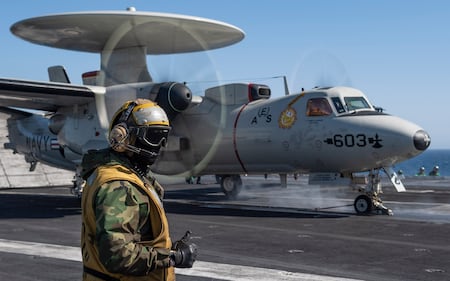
(139, 126)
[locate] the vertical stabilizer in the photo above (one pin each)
(122, 66)
(58, 73)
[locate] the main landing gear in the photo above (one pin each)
(231, 185)
(369, 202)
(78, 184)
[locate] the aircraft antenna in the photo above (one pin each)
(286, 88)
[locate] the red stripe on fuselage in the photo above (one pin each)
(234, 138)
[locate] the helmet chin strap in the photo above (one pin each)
(137, 150)
(142, 158)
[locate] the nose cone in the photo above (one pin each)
(421, 140)
(389, 140)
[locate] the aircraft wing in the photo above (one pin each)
(48, 96)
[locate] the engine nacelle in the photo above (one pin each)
(56, 123)
(173, 97)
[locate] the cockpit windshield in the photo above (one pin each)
(318, 107)
(356, 103)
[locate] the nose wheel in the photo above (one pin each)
(363, 204)
(366, 205)
(370, 202)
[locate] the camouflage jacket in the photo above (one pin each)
(125, 231)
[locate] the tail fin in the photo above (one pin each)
(58, 73)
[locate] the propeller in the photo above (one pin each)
(195, 71)
(319, 68)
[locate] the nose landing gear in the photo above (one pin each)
(370, 202)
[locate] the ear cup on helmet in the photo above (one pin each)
(119, 137)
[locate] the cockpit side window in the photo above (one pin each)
(355, 103)
(318, 107)
(338, 105)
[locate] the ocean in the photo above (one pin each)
(428, 159)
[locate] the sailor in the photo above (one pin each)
(125, 233)
(435, 171)
(421, 172)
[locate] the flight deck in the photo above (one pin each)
(301, 232)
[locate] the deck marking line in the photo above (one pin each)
(201, 268)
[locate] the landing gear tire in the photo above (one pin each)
(363, 205)
(231, 185)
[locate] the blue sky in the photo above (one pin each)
(396, 52)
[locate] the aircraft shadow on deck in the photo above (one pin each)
(205, 201)
(231, 211)
(210, 201)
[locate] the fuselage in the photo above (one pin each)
(286, 135)
(229, 132)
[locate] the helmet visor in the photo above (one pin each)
(155, 136)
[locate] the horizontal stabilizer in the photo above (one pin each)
(15, 112)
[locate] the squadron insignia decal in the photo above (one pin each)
(287, 118)
(289, 115)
